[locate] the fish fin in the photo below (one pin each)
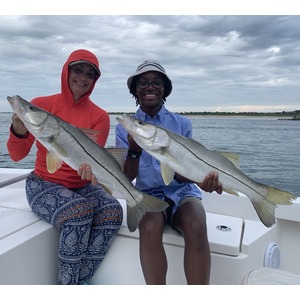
(91, 133)
(232, 157)
(231, 192)
(265, 206)
(56, 148)
(119, 155)
(167, 173)
(53, 162)
(148, 204)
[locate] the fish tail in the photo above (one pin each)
(148, 204)
(265, 207)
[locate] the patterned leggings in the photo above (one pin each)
(88, 219)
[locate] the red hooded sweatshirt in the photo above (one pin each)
(83, 114)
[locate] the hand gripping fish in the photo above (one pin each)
(68, 143)
(194, 161)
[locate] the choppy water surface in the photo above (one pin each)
(268, 148)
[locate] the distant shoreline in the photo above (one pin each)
(284, 115)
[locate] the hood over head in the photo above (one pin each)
(78, 56)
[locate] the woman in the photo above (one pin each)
(86, 215)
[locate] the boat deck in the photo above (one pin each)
(238, 241)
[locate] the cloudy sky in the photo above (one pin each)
(216, 62)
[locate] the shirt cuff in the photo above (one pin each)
(20, 136)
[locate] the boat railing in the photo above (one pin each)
(13, 180)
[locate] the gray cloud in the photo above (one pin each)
(225, 63)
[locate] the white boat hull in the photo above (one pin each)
(238, 242)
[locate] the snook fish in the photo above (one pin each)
(68, 143)
(194, 161)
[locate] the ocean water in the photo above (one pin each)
(269, 148)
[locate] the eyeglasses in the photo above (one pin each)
(143, 84)
(90, 75)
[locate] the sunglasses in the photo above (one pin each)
(78, 70)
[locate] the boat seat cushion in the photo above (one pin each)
(270, 276)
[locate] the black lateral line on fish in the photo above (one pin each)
(219, 169)
(94, 158)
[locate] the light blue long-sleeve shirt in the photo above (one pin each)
(149, 179)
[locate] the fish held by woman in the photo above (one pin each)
(68, 143)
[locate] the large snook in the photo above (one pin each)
(192, 160)
(68, 143)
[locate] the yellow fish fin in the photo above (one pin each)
(167, 173)
(265, 207)
(148, 204)
(53, 162)
(233, 157)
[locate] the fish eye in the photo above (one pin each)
(32, 108)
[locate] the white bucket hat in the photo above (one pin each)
(154, 66)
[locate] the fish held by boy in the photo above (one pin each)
(187, 157)
(68, 143)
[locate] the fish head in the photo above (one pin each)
(147, 136)
(32, 116)
(140, 131)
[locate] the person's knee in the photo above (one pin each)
(116, 212)
(78, 213)
(198, 225)
(151, 229)
(195, 232)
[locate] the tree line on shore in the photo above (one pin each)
(285, 114)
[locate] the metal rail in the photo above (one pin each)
(13, 180)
